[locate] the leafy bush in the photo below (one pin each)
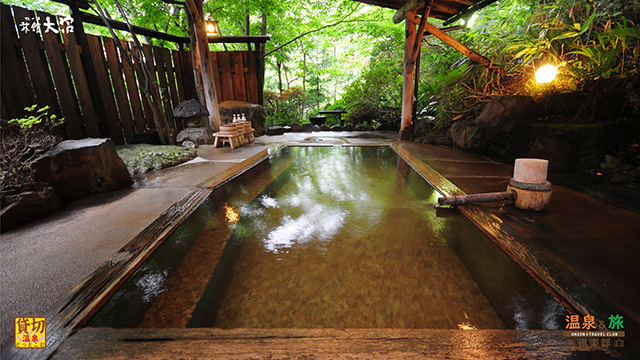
(589, 40)
(376, 96)
(284, 108)
(24, 140)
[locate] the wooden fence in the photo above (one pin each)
(46, 68)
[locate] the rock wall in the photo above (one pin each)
(574, 130)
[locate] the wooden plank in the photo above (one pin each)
(16, 85)
(237, 70)
(101, 343)
(66, 93)
(215, 65)
(94, 19)
(226, 80)
(238, 39)
(250, 76)
(36, 59)
(171, 88)
(148, 55)
(188, 71)
(142, 87)
(85, 101)
(115, 69)
(179, 71)
(163, 86)
(104, 86)
(132, 89)
(171, 77)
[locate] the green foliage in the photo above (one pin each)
(588, 43)
(284, 108)
(588, 39)
(37, 117)
(23, 140)
(376, 96)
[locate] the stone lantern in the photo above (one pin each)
(192, 113)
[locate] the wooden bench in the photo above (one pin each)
(236, 134)
(233, 140)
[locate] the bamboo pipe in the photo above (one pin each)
(477, 198)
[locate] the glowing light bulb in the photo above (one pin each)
(546, 73)
(211, 29)
(472, 21)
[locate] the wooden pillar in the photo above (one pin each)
(208, 84)
(194, 59)
(407, 85)
(417, 77)
(260, 72)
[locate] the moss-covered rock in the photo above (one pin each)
(141, 158)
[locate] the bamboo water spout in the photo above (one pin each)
(478, 198)
(529, 188)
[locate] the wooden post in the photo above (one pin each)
(194, 58)
(416, 80)
(260, 72)
(407, 85)
(202, 46)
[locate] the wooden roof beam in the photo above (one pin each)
(468, 11)
(456, 44)
(401, 14)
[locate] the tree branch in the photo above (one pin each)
(343, 20)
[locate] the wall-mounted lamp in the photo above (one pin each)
(546, 73)
(212, 27)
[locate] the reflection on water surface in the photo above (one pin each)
(337, 237)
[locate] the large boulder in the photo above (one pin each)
(564, 104)
(275, 130)
(568, 147)
(502, 115)
(253, 112)
(25, 203)
(296, 127)
(197, 135)
(466, 136)
(79, 167)
(307, 127)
